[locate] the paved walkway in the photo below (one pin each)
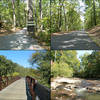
(78, 40)
(19, 41)
(15, 91)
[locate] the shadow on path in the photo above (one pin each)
(78, 40)
(19, 41)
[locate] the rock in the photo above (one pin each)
(97, 89)
(79, 99)
(54, 85)
(76, 86)
(93, 89)
(98, 85)
(61, 82)
(66, 93)
(68, 89)
(60, 87)
(73, 95)
(70, 86)
(67, 80)
(85, 83)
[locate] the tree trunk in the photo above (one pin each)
(35, 14)
(99, 8)
(94, 12)
(18, 12)
(25, 14)
(60, 14)
(66, 27)
(40, 6)
(50, 16)
(14, 16)
(91, 19)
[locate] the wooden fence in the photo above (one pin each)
(5, 81)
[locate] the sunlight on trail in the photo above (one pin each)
(19, 40)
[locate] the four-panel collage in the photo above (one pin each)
(49, 49)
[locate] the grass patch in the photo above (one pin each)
(43, 38)
(94, 34)
(96, 39)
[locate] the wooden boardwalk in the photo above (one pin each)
(15, 91)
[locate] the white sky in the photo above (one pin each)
(82, 8)
(82, 52)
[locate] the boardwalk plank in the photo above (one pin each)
(15, 91)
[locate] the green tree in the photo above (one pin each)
(90, 65)
(13, 13)
(92, 13)
(65, 63)
(42, 59)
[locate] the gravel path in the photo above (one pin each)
(78, 40)
(19, 41)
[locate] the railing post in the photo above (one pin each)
(31, 84)
(7, 81)
(0, 83)
(33, 92)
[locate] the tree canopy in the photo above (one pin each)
(66, 64)
(90, 65)
(13, 13)
(92, 13)
(6, 66)
(9, 68)
(42, 60)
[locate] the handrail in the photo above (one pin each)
(31, 83)
(37, 90)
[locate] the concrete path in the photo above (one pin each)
(19, 41)
(15, 91)
(78, 40)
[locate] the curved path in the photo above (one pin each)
(19, 41)
(15, 91)
(78, 40)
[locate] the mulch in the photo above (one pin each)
(4, 32)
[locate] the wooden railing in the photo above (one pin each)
(5, 81)
(36, 90)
